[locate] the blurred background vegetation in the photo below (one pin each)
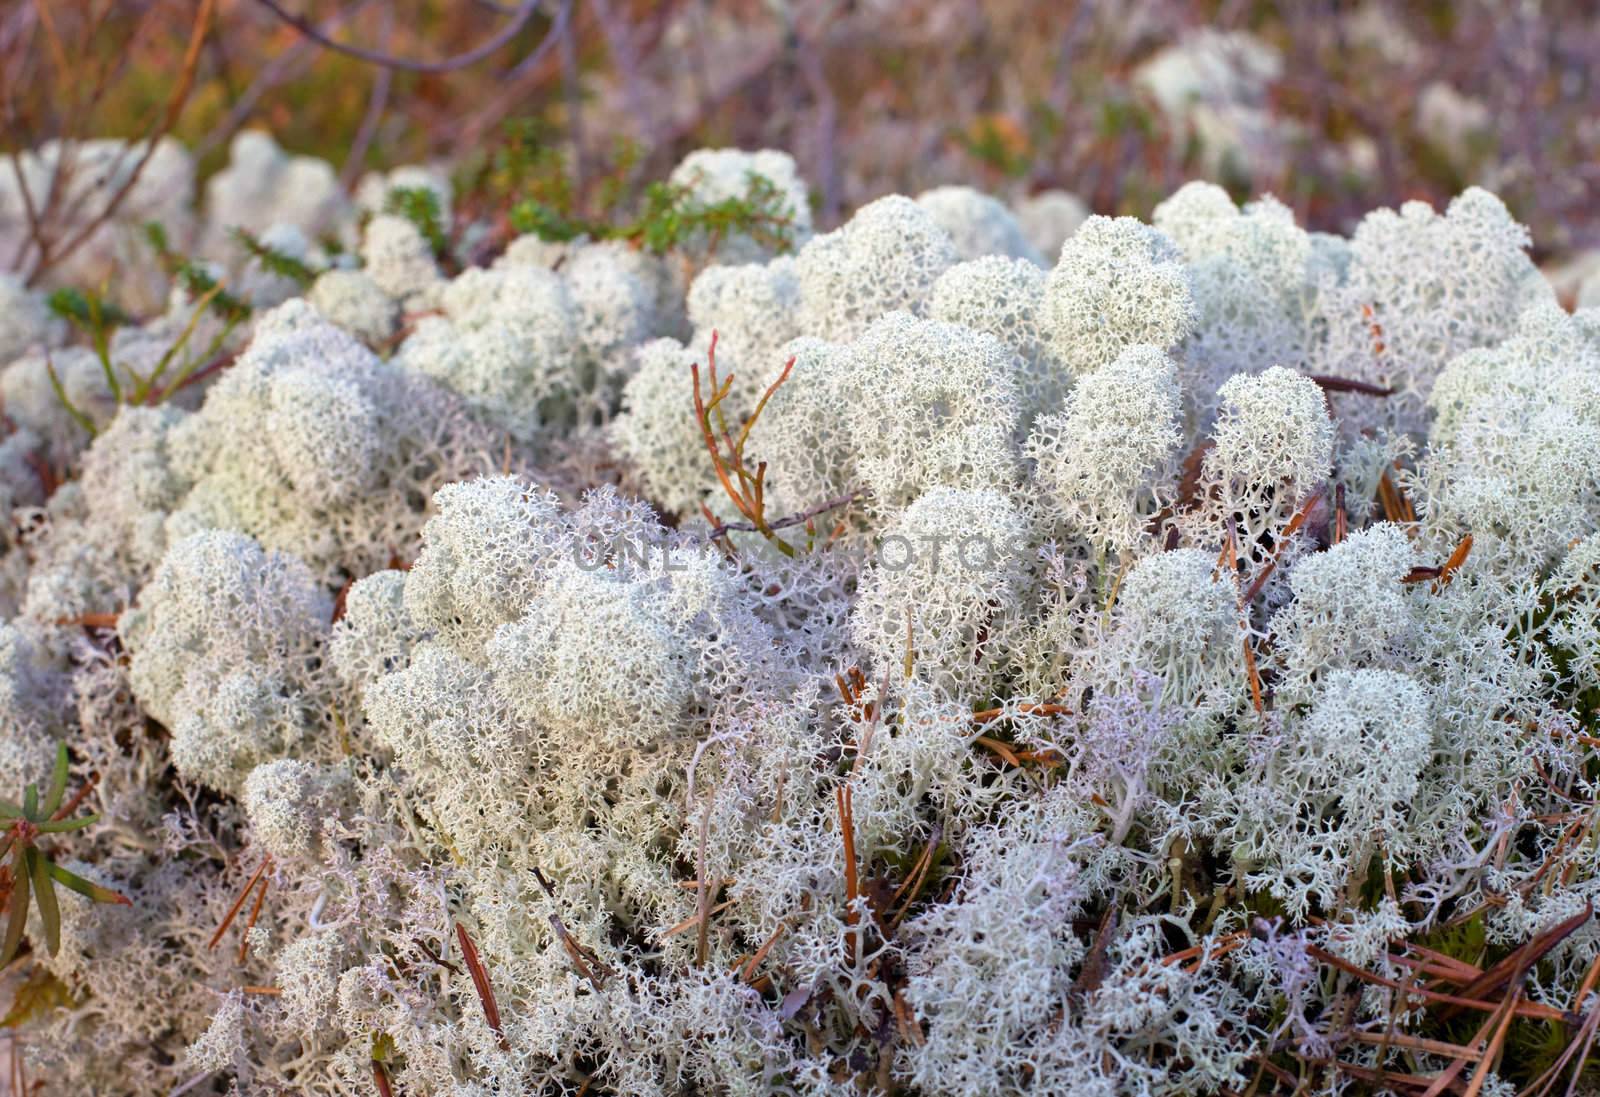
(1333, 107)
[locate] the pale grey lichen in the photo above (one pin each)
(1094, 640)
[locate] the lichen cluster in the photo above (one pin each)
(1121, 627)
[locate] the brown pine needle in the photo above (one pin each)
(1289, 531)
(1394, 506)
(1439, 966)
(1406, 508)
(911, 887)
(78, 797)
(1227, 559)
(1587, 985)
(1416, 1043)
(1457, 558)
(999, 748)
(92, 620)
(694, 920)
(1530, 1010)
(702, 950)
(842, 795)
(1387, 1079)
(480, 983)
(1255, 677)
(585, 962)
(1492, 1052)
(911, 647)
(1228, 941)
(749, 973)
(906, 1021)
(233, 911)
(255, 912)
(1525, 957)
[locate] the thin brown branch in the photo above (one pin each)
(1346, 384)
(274, 73)
(749, 497)
(800, 519)
(695, 920)
(377, 102)
(169, 118)
(584, 961)
(449, 64)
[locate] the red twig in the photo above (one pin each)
(749, 496)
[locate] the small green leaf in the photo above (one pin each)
(58, 782)
(271, 259)
(60, 390)
(84, 887)
(30, 802)
(420, 206)
(61, 826)
(40, 993)
(44, 897)
(76, 307)
(155, 234)
(9, 810)
(19, 914)
(383, 1049)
